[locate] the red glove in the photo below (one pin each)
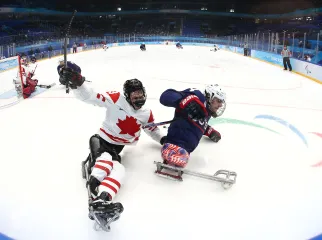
(212, 134)
(193, 107)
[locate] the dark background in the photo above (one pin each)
(242, 6)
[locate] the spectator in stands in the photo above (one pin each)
(307, 58)
(31, 52)
(50, 49)
(300, 44)
(286, 58)
(37, 51)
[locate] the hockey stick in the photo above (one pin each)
(148, 125)
(46, 86)
(159, 123)
(65, 45)
(33, 73)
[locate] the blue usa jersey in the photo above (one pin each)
(184, 132)
(70, 65)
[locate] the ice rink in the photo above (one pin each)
(271, 136)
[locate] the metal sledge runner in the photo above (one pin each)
(225, 177)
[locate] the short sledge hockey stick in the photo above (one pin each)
(159, 123)
(46, 86)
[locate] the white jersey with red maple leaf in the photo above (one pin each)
(122, 124)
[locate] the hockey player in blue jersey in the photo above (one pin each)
(193, 109)
(178, 45)
(69, 65)
(142, 47)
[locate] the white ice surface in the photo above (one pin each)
(277, 195)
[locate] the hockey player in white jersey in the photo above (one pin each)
(125, 114)
(105, 47)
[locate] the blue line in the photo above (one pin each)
(319, 237)
(4, 237)
(9, 94)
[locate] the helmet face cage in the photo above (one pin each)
(214, 91)
(220, 110)
(133, 85)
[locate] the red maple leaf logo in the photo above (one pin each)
(128, 126)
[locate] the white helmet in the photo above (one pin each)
(215, 91)
(61, 60)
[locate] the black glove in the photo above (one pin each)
(67, 75)
(163, 139)
(193, 107)
(214, 135)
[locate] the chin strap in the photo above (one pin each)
(138, 103)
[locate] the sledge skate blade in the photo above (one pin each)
(168, 176)
(227, 181)
(171, 174)
(101, 223)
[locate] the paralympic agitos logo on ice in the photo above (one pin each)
(279, 121)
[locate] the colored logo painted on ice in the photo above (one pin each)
(284, 123)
